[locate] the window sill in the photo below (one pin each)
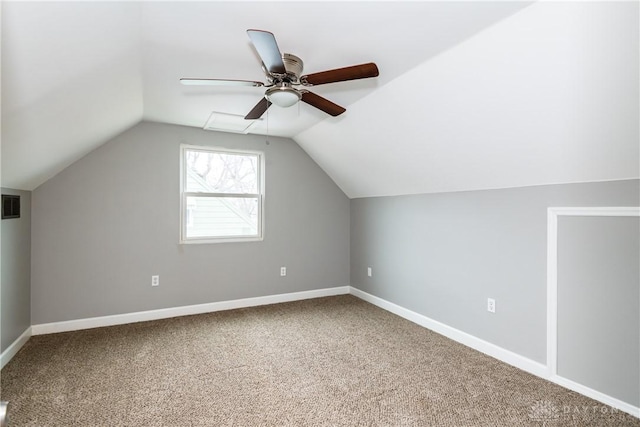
(220, 240)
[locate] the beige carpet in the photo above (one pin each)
(334, 361)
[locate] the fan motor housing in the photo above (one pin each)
(293, 65)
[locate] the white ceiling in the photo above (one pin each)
(549, 95)
(470, 95)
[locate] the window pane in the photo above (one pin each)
(221, 216)
(221, 172)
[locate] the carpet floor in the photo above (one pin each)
(335, 361)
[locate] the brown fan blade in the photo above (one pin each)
(258, 110)
(354, 72)
(219, 82)
(267, 48)
(322, 103)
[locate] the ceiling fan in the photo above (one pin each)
(283, 72)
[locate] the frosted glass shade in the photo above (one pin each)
(283, 96)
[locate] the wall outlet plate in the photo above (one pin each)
(155, 280)
(491, 305)
(283, 271)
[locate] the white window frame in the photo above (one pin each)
(184, 194)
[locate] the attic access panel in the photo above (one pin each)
(10, 206)
(229, 123)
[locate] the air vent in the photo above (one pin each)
(10, 206)
(229, 123)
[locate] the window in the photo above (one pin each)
(222, 194)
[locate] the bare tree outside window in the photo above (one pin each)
(221, 193)
(227, 173)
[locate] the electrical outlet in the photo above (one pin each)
(369, 271)
(155, 280)
(283, 271)
(491, 305)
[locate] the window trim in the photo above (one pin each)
(260, 196)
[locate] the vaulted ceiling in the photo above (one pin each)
(471, 95)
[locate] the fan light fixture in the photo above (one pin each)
(283, 96)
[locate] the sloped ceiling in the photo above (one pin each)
(470, 95)
(549, 95)
(75, 74)
(71, 80)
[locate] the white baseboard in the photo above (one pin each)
(485, 347)
(596, 395)
(165, 313)
(514, 359)
(11, 351)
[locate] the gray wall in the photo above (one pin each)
(108, 222)
(599, 304)
(15, 288)
(443, 255)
